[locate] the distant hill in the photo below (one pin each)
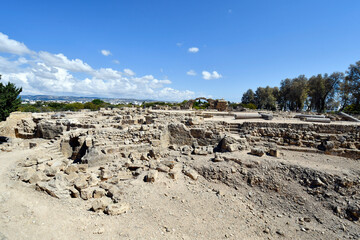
(78, 99)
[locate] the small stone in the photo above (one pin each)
(117, 208)
(86, 193)
(191, 173)
(80, 183)
(163, 168)
(74, 193)
(105, 174)
(173, 175)
(99, 193)
(100, 204)
(257, 152)
(151, 176)
(37, 177)
(30, 161)
(274, 152)
(32, 145)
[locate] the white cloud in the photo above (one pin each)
(59, 60)
(11, 46)
(193, 49)
(105, 52)
(56, 74)
(179, 44)
(116, 61)
(191, 73)
(129, 72)
(209, 76)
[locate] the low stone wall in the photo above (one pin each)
(335, 139)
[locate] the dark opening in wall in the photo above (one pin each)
(79, 150)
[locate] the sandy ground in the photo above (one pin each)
(179, 209)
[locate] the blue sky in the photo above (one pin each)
(173, 50)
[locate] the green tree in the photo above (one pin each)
(293, 93)
(353, 78)
(9, 99)
(248, 97)
(98, 102)
(265, 99)
(322, 90)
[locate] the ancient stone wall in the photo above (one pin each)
(336, 139)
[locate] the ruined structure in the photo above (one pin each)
(99, 157)
(219, 104)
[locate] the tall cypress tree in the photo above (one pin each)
(9, 99)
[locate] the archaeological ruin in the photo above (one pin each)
(278, 170)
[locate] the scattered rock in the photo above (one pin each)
(191, 173)
(100, 204)
(117, 208)
(151, 176)
(257, 151)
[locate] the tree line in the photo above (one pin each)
(318, 93)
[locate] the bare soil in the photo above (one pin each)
(243, 197)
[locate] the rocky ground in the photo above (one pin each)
(140, 174)
(240, 196)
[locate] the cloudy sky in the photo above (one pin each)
(172, 50)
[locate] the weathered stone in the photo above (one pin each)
(26, 173)
(257, 151)
(191, 173)
(317, 183)
(186, 150)
(151, 176)
(114, 192)
(32, 145)
(218, 158)
(100, 204)
(169, 163)
(173, 174)
(49, 130)
(30, 161)
(86, 193)
(55, 187)
(201, 150)
(353, 212)
(117, 208)
(124, 175)
(80, 183)
(71, 169)
(50, 171)
(74, 193)
(38, 177)
(274, 152)
(93, 180)
(228, 143)
(162, 168)
(179, 134)
(99, 193)
(105, 174)
(71, 178)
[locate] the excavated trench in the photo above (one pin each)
(339, 195)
